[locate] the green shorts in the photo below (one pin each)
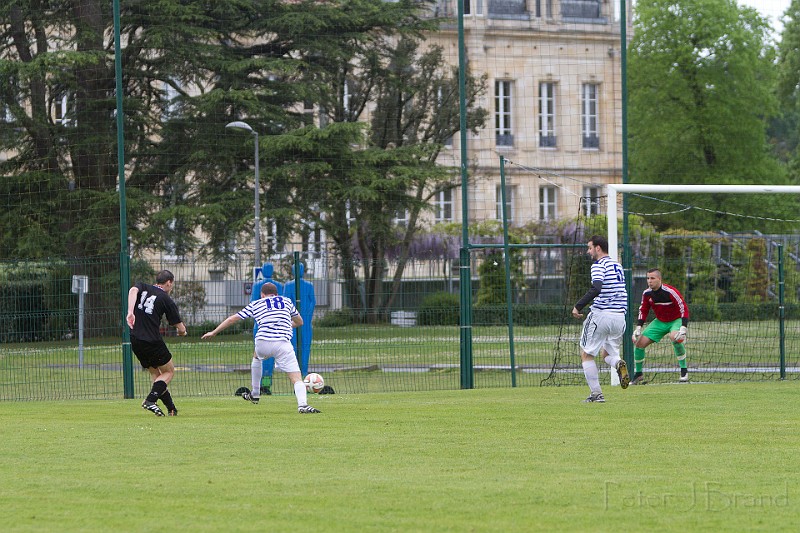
(656, 330)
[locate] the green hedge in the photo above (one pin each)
(439, 309)
(725, 312)
(336, 319)
(36, 302)
(524, 315)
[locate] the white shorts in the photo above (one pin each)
(282, 351)
(602, 330)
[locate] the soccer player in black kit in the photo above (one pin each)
(146, 305)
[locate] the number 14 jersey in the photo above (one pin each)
(152, 304)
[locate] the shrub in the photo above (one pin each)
(524, 315)
(198, 330)
(336, 319)
(439, 309)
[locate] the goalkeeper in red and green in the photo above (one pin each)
(672, 317)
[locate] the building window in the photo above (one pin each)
(547, 115)
(473, 7)
(502, 113)
(170, 106)
(589, 116)
(547, 203)
(581, 9)
(308, 113)
(324, 120)
(517, 9)
(591, 201)
(444, 206)
(312, 238)
(346, 97)
(170, 247)
(5, 115)
(272, 237)
(349, 214)
(401, 217)
(63, 110)
(510, 193)
(543, 8)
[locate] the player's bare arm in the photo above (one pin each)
(133, 294)
(297, 321)
(223, 325)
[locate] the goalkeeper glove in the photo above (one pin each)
(637, 333)
(681, 335)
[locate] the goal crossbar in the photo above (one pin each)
(613, 189)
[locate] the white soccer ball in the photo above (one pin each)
(314, 382)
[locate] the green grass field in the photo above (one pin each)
(656, 458)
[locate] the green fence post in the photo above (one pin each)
(124, 258)
(782, 311)
(465, 337)
(627, 260)
(507, 256)
(465, 275)
(296, 271)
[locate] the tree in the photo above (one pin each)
(751, 276)
(701, 90)
(362, 177)
(788, 91)
(189, 68)
(61, 175)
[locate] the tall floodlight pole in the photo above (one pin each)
(627, 260)
(465, 271)
(124, 252)
(238, 125)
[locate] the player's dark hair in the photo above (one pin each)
(655, 270)
(269, 288)
(600, 241)
(164, 276)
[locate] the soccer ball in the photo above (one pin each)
(314, 382)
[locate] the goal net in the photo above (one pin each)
(732, 252)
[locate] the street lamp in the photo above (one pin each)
(238, 125)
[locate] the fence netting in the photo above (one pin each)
(212, 138)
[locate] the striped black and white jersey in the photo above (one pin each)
(613, 297)
(273, 315)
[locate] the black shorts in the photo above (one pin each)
(151, 354)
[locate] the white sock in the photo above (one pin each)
(255, 378)
(301, 393)
(612, 360)
(592, 376)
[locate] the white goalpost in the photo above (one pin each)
(613, 216)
